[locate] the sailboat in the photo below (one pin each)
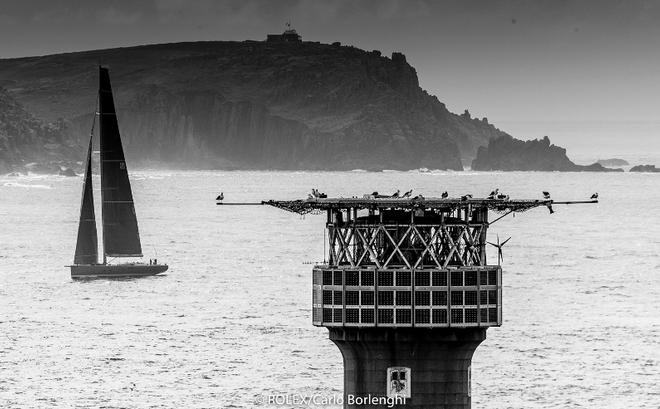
(121, 237)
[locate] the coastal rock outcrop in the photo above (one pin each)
(253, 105)
(510, 154)
(645, 168)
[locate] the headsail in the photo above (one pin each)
(87, 244)
(120, 230)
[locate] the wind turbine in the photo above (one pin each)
(499, 246)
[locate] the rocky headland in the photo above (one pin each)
(645, 168)
(511, 154)
(237, 105)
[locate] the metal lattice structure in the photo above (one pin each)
(407, 262)
(449, 204)
(407, 290)
(410, 246)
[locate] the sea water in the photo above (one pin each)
(229, 324)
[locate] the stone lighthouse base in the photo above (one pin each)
(429, 366)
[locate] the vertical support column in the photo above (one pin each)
(439, 360)
(481, 216)
(328, 223)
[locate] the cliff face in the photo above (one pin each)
(25, 139)
(254, 105)
(510, 154)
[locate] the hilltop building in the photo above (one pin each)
(289, 35)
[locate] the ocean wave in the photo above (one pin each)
(27, 186)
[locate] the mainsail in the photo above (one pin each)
(87, 244)
(120, 230)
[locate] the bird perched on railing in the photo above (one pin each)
(396, 194)
(493, 193)
(466, 197)
(546, 195)
(502, 196)
(445, 194)
(594, 196)
(376, 195)
(318, 195)
(220, 197)
(408, 193)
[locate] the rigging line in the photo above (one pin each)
(504, 215)
(241, 204)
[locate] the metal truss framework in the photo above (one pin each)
(315, 205)
(409, 246)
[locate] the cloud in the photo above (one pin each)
(172, 4)
(114, 16)
(228, 14)
(6, 20)
(176, 10)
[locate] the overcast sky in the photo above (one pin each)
(512, 61)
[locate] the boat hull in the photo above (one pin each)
(115, 270)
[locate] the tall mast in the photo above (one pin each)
(98, 113)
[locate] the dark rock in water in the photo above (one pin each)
(68, 172)
(250, 104)
(510, 154)
(645, 168)
(613, 162)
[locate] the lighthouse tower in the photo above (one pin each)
(407, 293)
(407, 296)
